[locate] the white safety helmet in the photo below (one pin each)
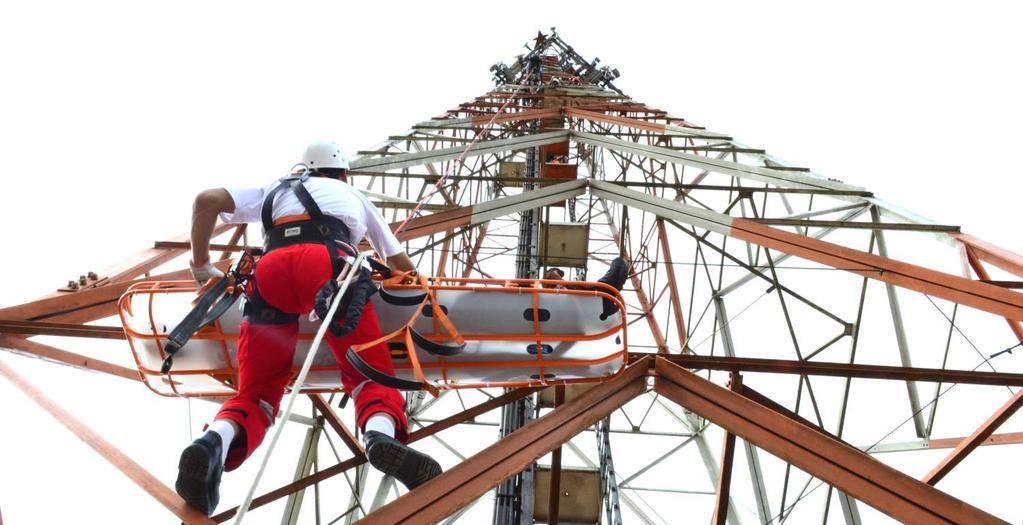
(324, 154)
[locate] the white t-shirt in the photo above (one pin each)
(335, 198)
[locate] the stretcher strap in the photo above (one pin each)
(416, 367)
(373, 374)
(439, 314)
(432, 347)
(401, 300)
(406, 329)
(210, 306)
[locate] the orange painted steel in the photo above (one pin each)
(832, 369)
(140, 476)
(974, 262)
(983, 296)
(816, 453)
(1008, 438)
(725, 470)
(621, 121)
(64, 357)
(531, 114)
(335, 422)
(534, 287)
(976, 439)
(1009, 261)
(676, 303)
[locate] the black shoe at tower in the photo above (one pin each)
(199, 471)
(392, 457)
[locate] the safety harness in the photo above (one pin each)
(319, 228)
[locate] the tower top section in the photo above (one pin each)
(551, 61)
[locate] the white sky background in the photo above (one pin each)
(113, 115)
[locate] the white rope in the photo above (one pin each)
(355, 270)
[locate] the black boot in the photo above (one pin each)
(199, 471)
(392, 457)
(616, 276)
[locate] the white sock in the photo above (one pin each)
(382, 423)
(226, 430)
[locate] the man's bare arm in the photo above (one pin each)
(400, 262)
(208, 204)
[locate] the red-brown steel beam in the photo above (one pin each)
(471, 413)
(443, 424)
(978, 437)
(103, 299)
(140, 476)
(335, 422)
(61, 329)
(1008, 438)
(293, 487)
(987, 252)
(145, 261)
(473, 477)
(676, 304)
(554, 485)
(819, 368)
(978, 267)
(725, 473)
(29, 348)
(232, 244)
(531, 114)
(434, 223)
(620, 121)
(982, 296)
(444, 251)
(471, 261)
(816, 453)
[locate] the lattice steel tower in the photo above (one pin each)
(833, 319)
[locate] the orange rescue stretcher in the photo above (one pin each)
(499, 333)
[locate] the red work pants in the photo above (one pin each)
(288, 279)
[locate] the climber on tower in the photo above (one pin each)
(309, 219)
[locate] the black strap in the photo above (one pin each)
(267, 212)
(209, 308)
(307, 200)
(325, 228)
(379, 267)
(258, 311)
(401, 300)
(432, 347)
(375, 375)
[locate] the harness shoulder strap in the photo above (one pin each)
(306, 199)
(267, 212)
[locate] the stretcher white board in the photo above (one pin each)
(516, 333)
